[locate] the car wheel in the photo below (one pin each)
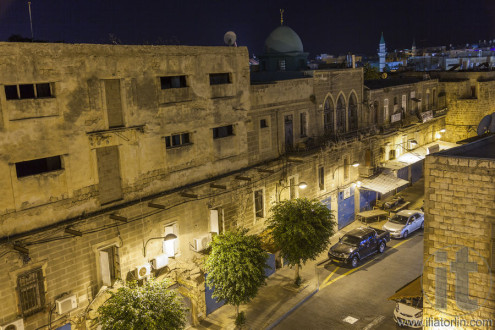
(405, 234)
(354, 262)
(423, 225)
(382, 247)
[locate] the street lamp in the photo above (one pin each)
(301, 185)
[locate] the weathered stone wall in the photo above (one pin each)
(459, 212)
(73, 123)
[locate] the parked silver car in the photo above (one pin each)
(404, 222)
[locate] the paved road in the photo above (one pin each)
(361, 293)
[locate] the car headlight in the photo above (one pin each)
(397, 307)
(418, 314)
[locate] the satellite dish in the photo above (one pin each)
(229, 38)
(491, 128)
(484, 125)
(384, 75)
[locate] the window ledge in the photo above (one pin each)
(139, 128)
(49, 173)
(186, 145)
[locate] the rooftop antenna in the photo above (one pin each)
(31, 21)
(281, 17)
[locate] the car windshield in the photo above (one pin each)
(350, 240)
(399, 219)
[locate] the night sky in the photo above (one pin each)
(333, 27)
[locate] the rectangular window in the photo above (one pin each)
(43, 90)
(404, 102)
(263, 123)
(303, 122)
(258, 204)
(27, 91)
(385, 110)
(109, 265)
(177, 140)
(281, 65)
(31, 291)
(219, 78)
(321, 177)
(38, 166)
(223, 131)
(173, 82)
(11, 92)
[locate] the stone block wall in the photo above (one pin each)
(459, 213)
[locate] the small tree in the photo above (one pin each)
(236, 267)
(151, 306)
(301, 230)
(370, 73)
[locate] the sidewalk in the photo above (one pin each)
(278, 299)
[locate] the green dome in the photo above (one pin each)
(283, 40)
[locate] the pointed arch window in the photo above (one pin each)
(353, 117)
(341, 115)
(328, 111)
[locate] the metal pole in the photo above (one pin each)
(31, 21)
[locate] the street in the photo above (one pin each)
(360, 295)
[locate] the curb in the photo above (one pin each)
(296, 306)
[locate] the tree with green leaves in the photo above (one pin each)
(301, 230)
(150, 306)
(236, 268)
(371, 73)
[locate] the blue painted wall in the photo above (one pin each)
(64, 327)
(211, 303)
(416, 171)
(346, 209)
(270, 265)
(403, 173)
(367, 199)
(328, 202)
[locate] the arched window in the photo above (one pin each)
(328, 116)
(353, 117)
(341, 115)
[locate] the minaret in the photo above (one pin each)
(382, 53)
(413, 48)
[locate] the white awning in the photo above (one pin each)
(383, 183)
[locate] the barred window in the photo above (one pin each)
(177, 140)
(31, 292)
(28, 91)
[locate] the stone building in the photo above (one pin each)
(107, 150)
(459, 255)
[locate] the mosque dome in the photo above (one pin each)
(283, 40)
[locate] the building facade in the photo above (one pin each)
(106, 150)
(459, 255)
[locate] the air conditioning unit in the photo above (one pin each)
(201, 243)
(143, 271)
(160, 261)
(66, 304)
(14, 325)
